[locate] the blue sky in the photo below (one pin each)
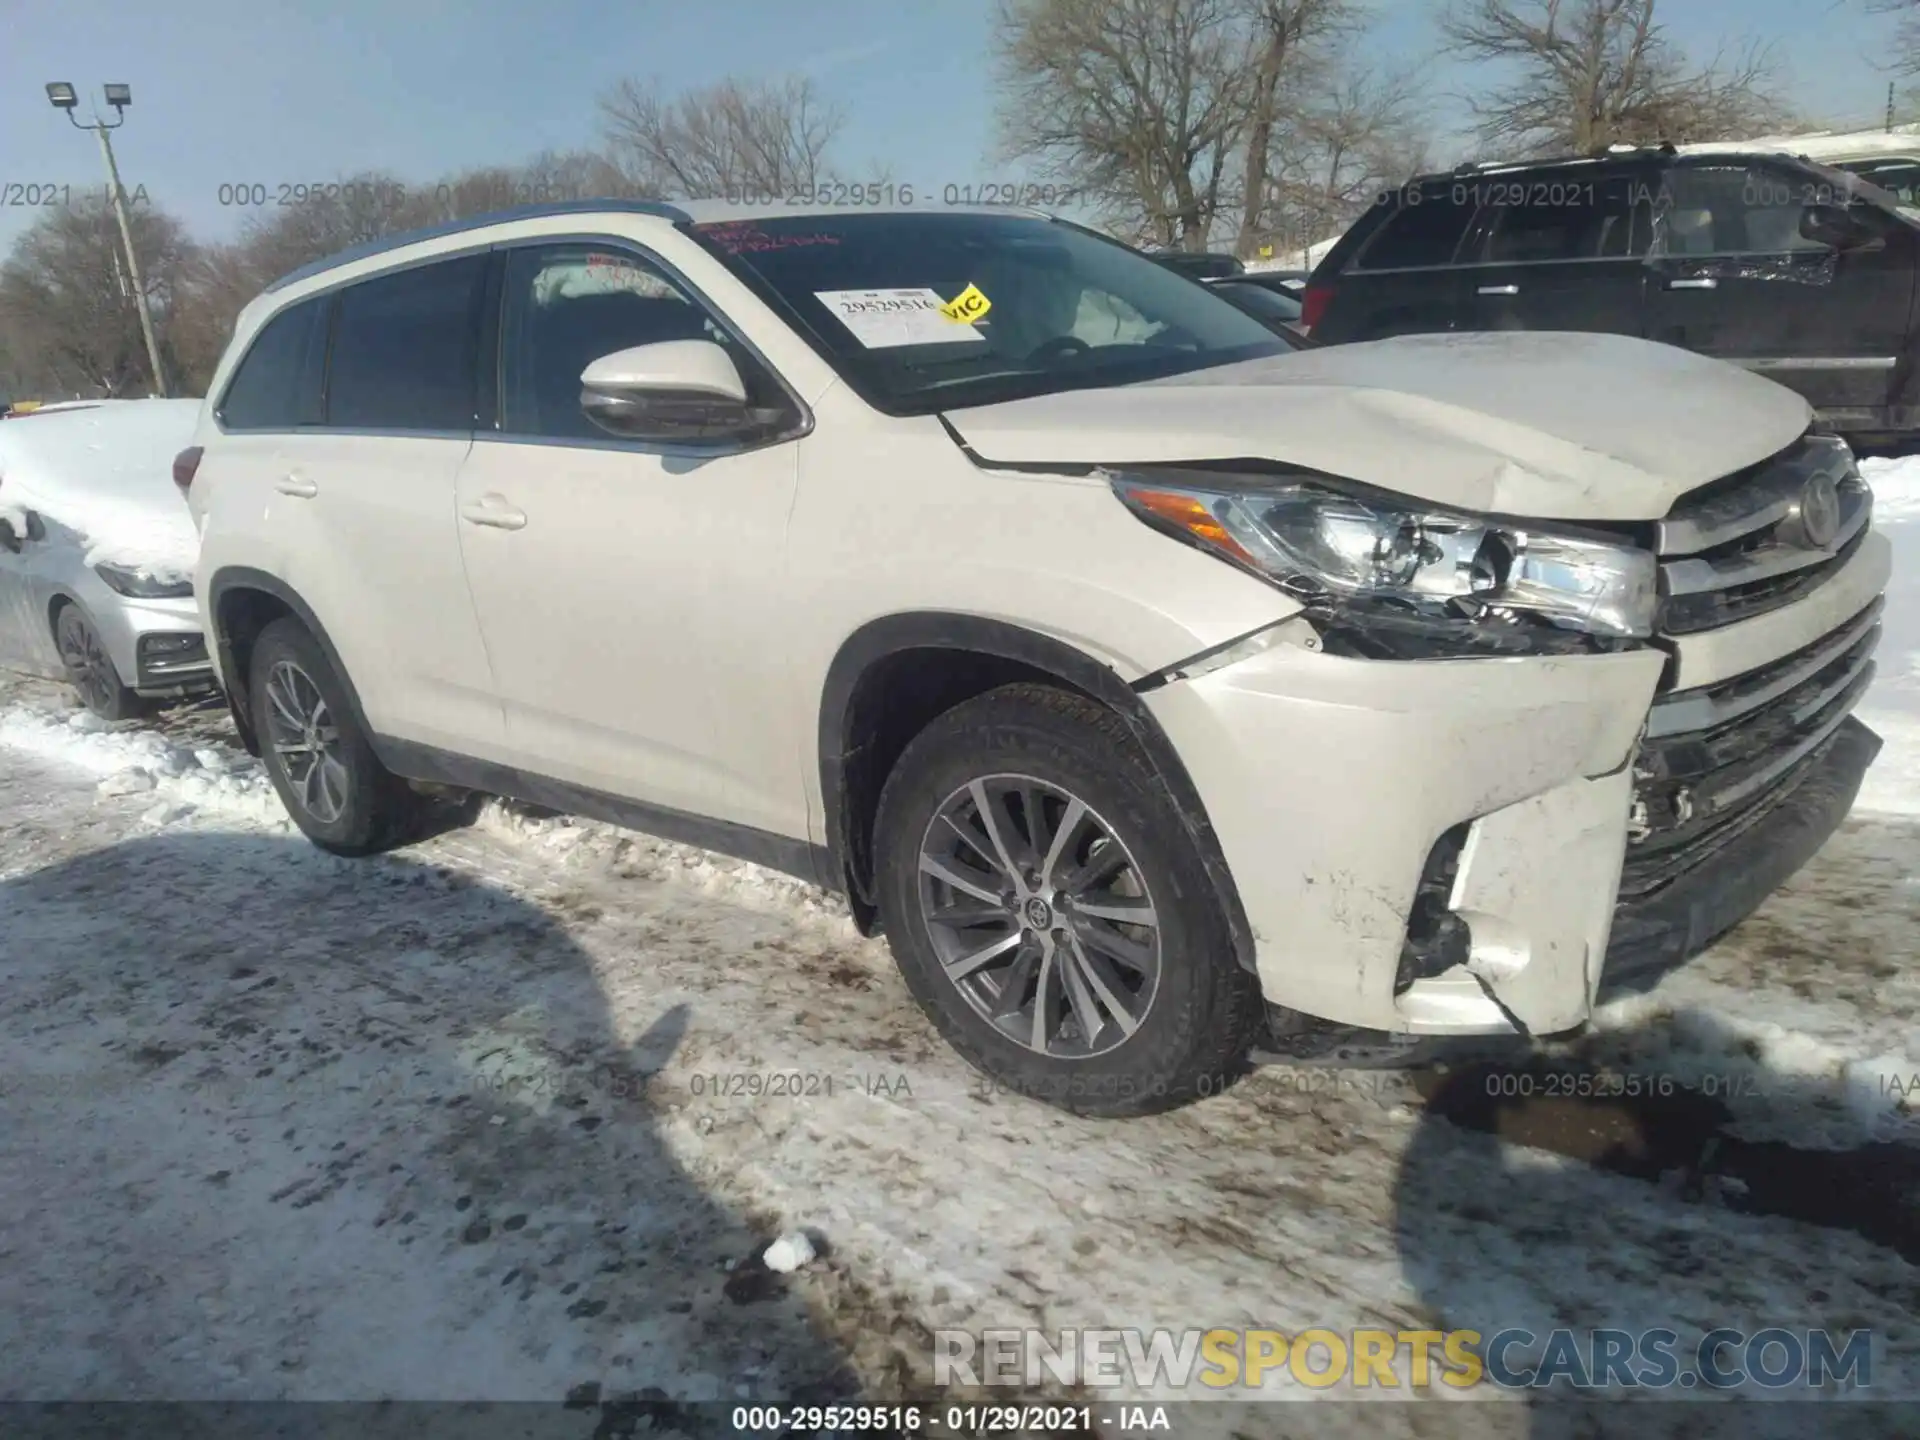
(271, 91)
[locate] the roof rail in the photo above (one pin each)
(1603, 152)
(400, 239)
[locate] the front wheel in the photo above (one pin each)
(1050, 912)
(90, 669)
(319, 759)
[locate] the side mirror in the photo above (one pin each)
(1836, 226)
(672, 390)
(9, 537)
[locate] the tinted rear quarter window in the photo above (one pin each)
(1423, 230)
(277, 385)
(404, 349)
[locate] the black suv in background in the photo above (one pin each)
(1798, 272)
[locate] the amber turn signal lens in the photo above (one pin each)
(1192, 516)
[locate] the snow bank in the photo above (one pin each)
(182, 780)
(1892, 706)
(225, 783)
(106, 473)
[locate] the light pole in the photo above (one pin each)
(119, 97)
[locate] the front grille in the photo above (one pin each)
(1715, 760)
(1751, 543)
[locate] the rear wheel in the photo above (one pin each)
(1050, 911)
(90, 668)
(320, 761)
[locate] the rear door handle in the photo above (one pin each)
(494, 511)
(297, 486)
(1699, 282)
(1499, 289)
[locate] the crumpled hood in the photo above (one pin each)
(1540, 424)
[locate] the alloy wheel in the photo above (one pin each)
(88, 665)
(302, 733)
(1040, 915)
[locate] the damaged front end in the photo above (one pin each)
(1593, 749)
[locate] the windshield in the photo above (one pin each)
(935, 312)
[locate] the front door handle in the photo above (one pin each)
(1698, 282)
(297, 486)
(494, 511)
(1499, 289)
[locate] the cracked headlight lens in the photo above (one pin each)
(1335, 549)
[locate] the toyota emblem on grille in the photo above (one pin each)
(1819, 512)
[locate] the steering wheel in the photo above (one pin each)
(1058, 348)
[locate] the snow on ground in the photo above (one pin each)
(463, 1121)
(1892, 707)
(105, 472)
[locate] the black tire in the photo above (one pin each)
(377, 809)
(90, 670)
(1203, 1010)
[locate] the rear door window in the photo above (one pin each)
(1424, 230)
(1543, 221)
(404, 348)
(277, 385)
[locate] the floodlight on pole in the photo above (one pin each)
(63, 97)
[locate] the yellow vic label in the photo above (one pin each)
(968, 306)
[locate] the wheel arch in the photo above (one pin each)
(241, 602)
(894, 674)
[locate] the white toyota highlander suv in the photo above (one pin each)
(1145, 680)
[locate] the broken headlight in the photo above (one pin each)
(1404, 566)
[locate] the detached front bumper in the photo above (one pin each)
(1335, 786)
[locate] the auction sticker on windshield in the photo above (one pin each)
(882, 319)
(968, 306)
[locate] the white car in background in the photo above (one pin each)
(1889, 159)
(97, 552)
(1126, 664)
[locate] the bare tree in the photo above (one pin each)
(67, 303)
(1189, 121)
(1290, 45)
(1904, 53)
(1592, 73)
(1137, 105)
(1360, 133)
(732, 138)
